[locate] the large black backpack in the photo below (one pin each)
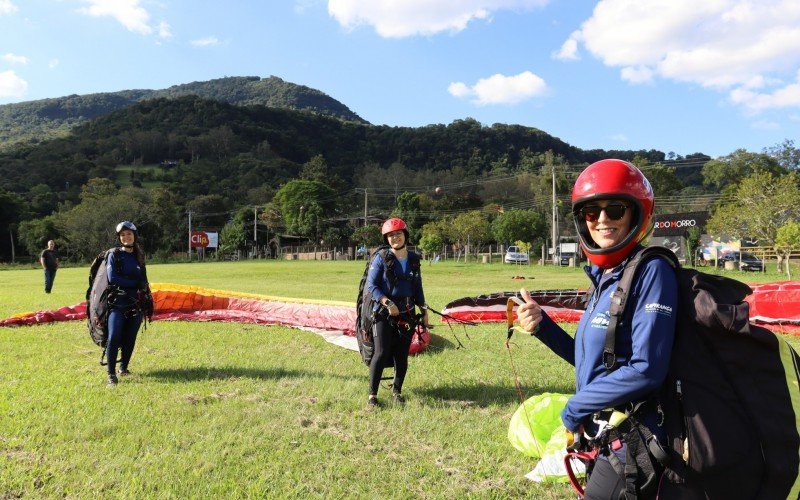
(365, 317)
(97, 297)
(731, 400)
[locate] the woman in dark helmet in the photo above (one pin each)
(612, 202)
(128, 288)
(395, 282)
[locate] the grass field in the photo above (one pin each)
(233, 410)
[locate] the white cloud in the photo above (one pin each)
(501, 89)
(756, 102)
(14, 59)
(729, 46)
(459, 89)
(53, 63)
(164, 30)
(6, 7)
(11, 85)
(301, 6)
(205, 42)
(765, 125)
(397, 19)
(128, 12)
(569, 49)
(619, 138)
(639, 74)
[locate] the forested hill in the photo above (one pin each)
(223, 149)
(37, 121)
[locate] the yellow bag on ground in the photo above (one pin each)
(532, 425)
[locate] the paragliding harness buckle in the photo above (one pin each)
(406, 323)
(616, 427)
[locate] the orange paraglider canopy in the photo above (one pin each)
(331, 319)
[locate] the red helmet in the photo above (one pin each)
(613, 179)
(392, 225)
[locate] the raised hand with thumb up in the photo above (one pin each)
(529, 315)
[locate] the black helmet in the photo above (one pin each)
(126, 224)
(130, 226)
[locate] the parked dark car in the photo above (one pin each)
(564, 259)
(746, 262)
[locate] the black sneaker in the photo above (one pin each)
(112, 379)
(372, 402)
(123, 372)
(398, 398)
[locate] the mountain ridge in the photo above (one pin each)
(43, 119)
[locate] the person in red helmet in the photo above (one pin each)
(394, 280)
(612, 203)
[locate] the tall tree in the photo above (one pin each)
(519, 225)
(761, 204)
(471, 228)
(786, 154)
(788, 241)
(302, 204)
(731, 169)
(12, 210)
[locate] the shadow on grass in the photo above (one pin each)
(483, 394)
(439, 343)
(228, 372)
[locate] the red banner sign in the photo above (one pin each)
(199, 239)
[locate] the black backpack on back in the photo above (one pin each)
(97, 297)
(731, 400)
(365, 317)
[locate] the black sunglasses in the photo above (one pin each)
(614, 211)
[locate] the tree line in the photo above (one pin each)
(304, 174)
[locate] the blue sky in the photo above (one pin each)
(679, 76)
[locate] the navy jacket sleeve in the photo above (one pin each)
(375, 278)
(558, 340)
(652, 323)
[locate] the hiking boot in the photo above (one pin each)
(123, 372)
(112, 379)
(398, 398)
(372, 402)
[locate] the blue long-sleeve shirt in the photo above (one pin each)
(409, 282)
(643, 341)
(128, 274)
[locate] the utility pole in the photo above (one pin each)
(255, 220)
(366, 203)
(549, 161)
(190, 234)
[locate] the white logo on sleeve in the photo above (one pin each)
(655, 307)
(601, 320)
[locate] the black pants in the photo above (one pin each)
(391, 347)
(606, 484)
(49, 278)
(122, 331)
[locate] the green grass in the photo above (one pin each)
(234, 410)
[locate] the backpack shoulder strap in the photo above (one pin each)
(619, 298)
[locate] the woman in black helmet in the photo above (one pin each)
(128, 289)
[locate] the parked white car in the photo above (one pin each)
(514, 256)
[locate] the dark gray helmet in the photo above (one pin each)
(126, 224)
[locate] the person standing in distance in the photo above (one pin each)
(128, 286)
(49, 261)
(395, 283)
(612, 202)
